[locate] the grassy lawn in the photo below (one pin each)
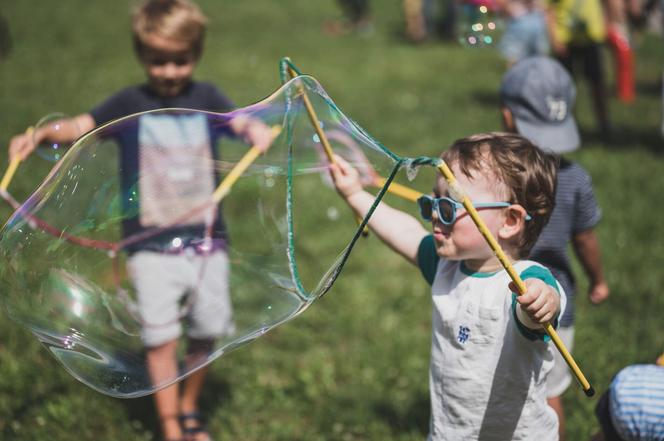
(355, 365)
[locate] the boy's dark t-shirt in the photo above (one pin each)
(140, 98)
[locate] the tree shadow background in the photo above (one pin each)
(413, 417)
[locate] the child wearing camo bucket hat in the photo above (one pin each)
(537, 99)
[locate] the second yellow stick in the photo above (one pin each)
(13, 165)
(225, 186)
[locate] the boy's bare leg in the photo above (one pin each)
(192, 391)
(162, 366)
(197, 354)
(557, 404)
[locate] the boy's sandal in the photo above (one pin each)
(169, 417)
(193, 427)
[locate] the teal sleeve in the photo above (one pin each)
(427, 259)
(535, 272)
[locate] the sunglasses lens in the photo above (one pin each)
(426, 207)
(446, 211)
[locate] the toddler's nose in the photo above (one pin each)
(170, 70)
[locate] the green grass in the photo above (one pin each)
(354, 366)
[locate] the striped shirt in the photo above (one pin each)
(576, 211)
(637, 403)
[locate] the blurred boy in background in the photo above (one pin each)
(168, 40)
(537, 97)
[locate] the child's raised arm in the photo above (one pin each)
(399, 230)
(66, 130)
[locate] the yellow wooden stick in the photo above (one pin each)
(399, 190)
(456, 192)
(13, 165)
(225, 186)
(9, 174)
(315, 122)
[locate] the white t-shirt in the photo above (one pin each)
(487, 373)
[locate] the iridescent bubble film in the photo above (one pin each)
(124, 264)
(57, 123)
(478, 23)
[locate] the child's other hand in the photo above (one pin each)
(598, 292)
(254, 131)
(21, 146)
(259, 135)
(540, 302)
(346, 179)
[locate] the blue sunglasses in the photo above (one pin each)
(446, 208)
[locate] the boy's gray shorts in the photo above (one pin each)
(560, 377)
(161, 282)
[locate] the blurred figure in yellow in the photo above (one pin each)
(577, 30)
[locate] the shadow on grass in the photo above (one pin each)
(142, 409)
(653, 88)
(215, 391)
(5, 39)
(414, 418)
(487, 98)
(433, 37)
(625, 137)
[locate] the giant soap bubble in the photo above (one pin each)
(54, 150)
(124, 248)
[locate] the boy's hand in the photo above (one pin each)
(541, 302)
(259, 135)
(253, 131)
(346, 179)
(21, 146)
(598, 292)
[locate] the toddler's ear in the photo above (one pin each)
(513, 225)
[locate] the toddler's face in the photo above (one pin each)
(169, 64)
(462, 240)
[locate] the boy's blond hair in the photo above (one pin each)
(178, 20)
(525, 175)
